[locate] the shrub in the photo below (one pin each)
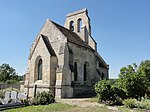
(1, 94)
(133, 103)
(108, 93)
(144, 104)
(43, 98)
(130, 103)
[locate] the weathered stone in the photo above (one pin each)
(70, 64)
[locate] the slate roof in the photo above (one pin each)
(72, 37)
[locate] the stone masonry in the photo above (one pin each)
(64, 60)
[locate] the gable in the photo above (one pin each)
(46, 43)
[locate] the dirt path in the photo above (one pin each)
(84, 102)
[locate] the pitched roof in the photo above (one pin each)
(72, 37)
(75, 39)
(48, 46)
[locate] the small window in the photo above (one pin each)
(75, 72)
(79, 24)
(86, 67)
(85, 72)
(102, 76)
(40, 69)
(71, 60)
(72, 26)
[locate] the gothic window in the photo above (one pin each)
(40, 69)
(86, 66)
(75, 72)
(72, 26)
(79, 24)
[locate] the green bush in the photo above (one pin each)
(108, 93)
(2, 94)
(144, 104)
(133, 103)
(130, 103)
(43, 98)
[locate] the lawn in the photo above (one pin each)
(58, 107)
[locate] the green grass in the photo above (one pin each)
(58, 107)
(55, 107)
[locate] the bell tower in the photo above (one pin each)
(79, 22)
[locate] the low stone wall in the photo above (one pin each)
(13, 86)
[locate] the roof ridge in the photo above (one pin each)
(72, 36)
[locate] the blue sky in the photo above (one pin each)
(120, 27)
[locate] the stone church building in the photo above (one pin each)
(64, 59)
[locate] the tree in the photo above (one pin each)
(144, 69)
(6, 73)
(133, 80)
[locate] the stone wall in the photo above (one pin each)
(81, 55)
(85, 31)
(10, 86)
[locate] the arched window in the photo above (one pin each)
(86, 66)
(75, 72)
(71, 25)
(40, 69)
(79, 24)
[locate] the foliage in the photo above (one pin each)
(8, 73)
(130, 103)
(144, 69)
(134, 81)
(1, 94)
(144, 104)
(11, 81)
(134, 103)
(43, 98)
(109, 94)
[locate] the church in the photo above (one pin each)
(64, 59)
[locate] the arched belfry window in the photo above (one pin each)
(40, 69)
(86, 67)
(79, 24)
(71, 25)
(75, 72)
